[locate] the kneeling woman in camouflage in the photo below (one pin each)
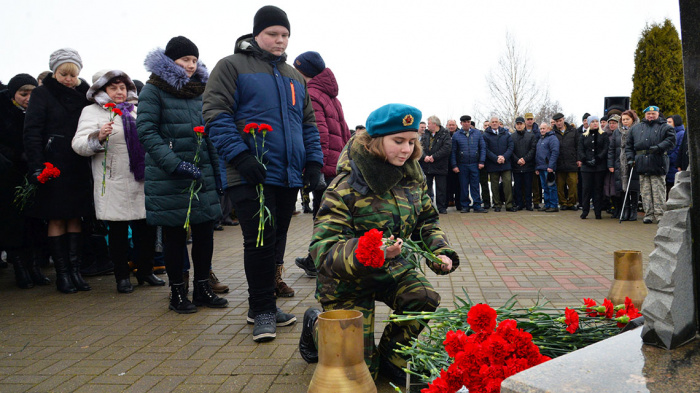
(379, 185)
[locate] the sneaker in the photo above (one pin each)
(265, 328)
(307, 348)
(308, 268)
(480, 210)
(281, 317)
(648, 220)
(551, 210)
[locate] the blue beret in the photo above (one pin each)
(393, 119)
(651, 108)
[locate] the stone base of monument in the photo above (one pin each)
(619, 364)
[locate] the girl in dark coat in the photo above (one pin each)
(50, 124)
(170, 107)
(593, 154)
(16, 233)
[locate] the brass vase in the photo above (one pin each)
(629, 279)
(341, 362)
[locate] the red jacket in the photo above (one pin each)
(330, 120)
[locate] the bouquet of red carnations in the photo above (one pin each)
(24, 193)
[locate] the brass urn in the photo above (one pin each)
(629, 278)
(341, 363)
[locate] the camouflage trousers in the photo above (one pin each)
(653, 192)
(402, 289)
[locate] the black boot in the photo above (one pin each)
(18, 259)
(58, 247)
(75, 254)
(202, 295)
(34, 269)
(179, 301)
(634, 200)
(150, 279)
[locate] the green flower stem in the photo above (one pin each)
(193, 186)
(104, 166)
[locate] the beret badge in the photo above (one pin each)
(407, 120)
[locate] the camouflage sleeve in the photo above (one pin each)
(334, 240)
(428, 229)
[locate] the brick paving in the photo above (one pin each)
(102, 341)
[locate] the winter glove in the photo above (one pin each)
(654, 149)
(187, 169)
(630, 163)
(250, 169)
(312, 175)
(33, 178)
(219, 186)
(590, 162)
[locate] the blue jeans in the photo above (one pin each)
(469, 185)
(549, 192)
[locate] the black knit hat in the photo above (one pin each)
(18, 81)
(267, 16)
(585, 116)
(180, 47)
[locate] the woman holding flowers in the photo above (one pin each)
(50, 124)
(379, 186)
(170, 108)
(107, 133)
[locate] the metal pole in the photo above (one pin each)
(626, 194)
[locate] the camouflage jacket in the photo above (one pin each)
(370, 193)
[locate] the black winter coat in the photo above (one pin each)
(13, 167)
(642, 137)
(614, 157)
(593, 150)
(568, 148)
(524, 146)
(49, 126)
(498, 145)
(440, 150)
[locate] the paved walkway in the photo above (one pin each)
(102, 341)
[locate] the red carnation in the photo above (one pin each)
(250, 127)
(264, 127)
(590, 303)
(571, 320)
(369, 252)
(110, 105)
(609, 308)
(117, 111)
(482, 318)
(199, 130)
(455, 342)
(49, 172)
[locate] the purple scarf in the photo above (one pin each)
(137, 156)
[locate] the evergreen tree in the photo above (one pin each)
(658, 71)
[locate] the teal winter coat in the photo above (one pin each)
(170, 106)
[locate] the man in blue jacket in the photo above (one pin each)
(499, 149)
(467, 158)
(256, 85)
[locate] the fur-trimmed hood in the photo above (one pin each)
(96, 94)
(163, 66)
(370, 172)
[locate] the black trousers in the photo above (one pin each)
(259, 262)
(454, 190)
(175, 240)
(440, 196)
(522, 189)
(144, 237)
(592, 186)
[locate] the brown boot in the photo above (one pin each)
(281, 288)
(216, 285)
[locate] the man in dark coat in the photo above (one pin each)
(523, 160)
(453, 186)
(499, 149)
(568, 163)
(437, 146)
(648, 144)
(467, 158)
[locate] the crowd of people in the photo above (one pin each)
(150, 167)
(555, 166)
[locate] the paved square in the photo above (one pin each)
(102, 341)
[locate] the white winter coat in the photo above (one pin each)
(124, 198)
